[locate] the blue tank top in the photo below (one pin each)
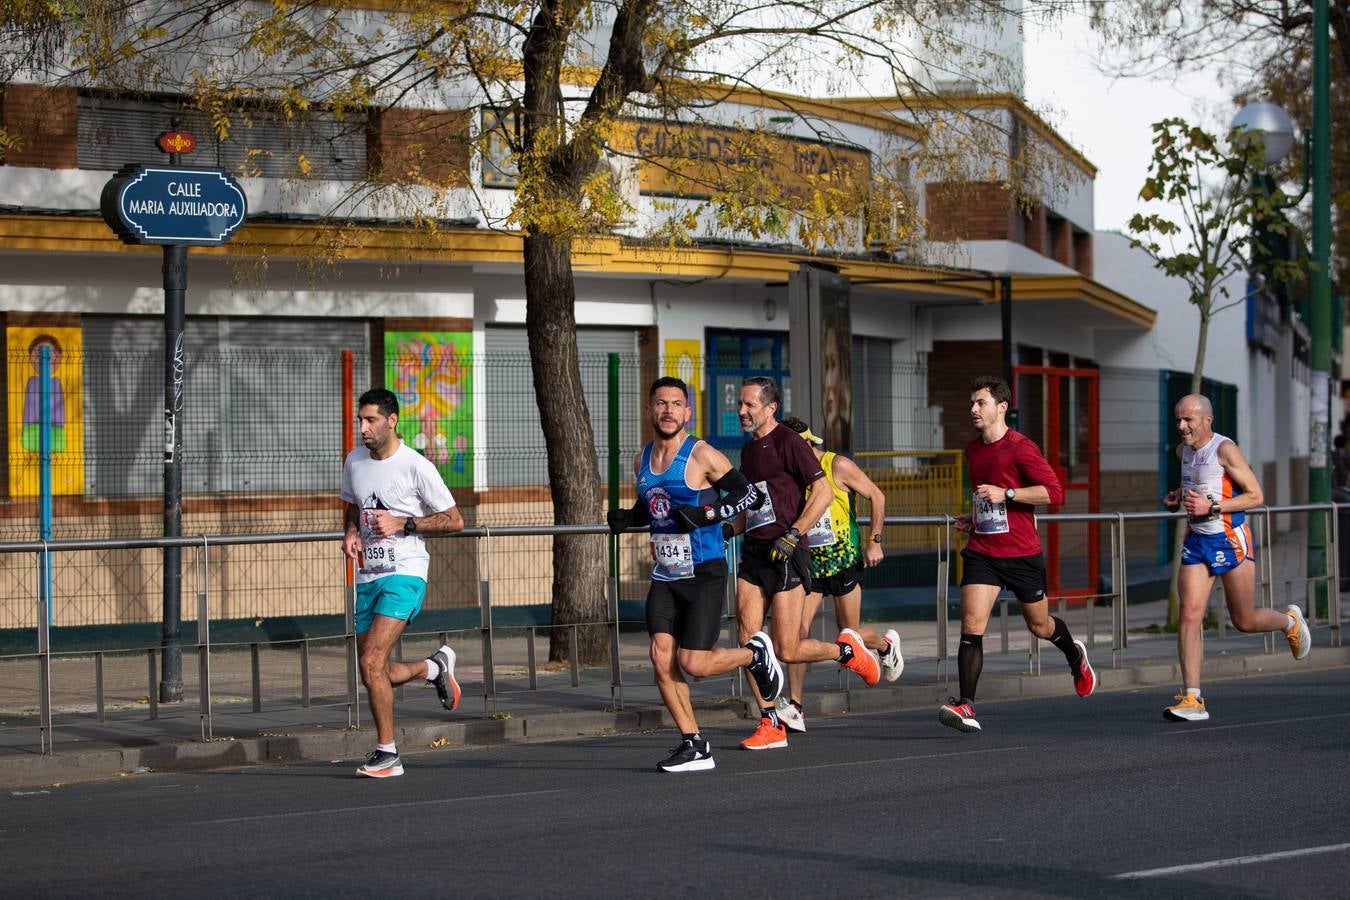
(677, 552)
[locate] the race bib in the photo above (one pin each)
(990, 517)
(377, 554)
(674, 555)
(822, 533)
(756, 518)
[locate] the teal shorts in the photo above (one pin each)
(395, 596)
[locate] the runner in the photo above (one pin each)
(394, 495)
(678, 481)
(837, 564)
(1217, 486)
(775, 570)
(1011, 477)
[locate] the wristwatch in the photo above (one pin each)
(410, 526)
(1215, 510)
(1011, 494)
(876, 539)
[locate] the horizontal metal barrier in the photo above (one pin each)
(945, 548)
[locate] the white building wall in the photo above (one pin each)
(132, 282)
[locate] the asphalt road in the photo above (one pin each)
(1057, 797)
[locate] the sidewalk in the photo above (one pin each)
(128, 740)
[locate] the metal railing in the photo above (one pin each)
(1116, 597)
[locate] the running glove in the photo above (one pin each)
(618, 520)
(785, 546)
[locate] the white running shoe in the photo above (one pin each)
(791, 717)
(1300, 639)
(892, 661)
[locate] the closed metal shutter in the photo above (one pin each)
(115, 131)
(515, 451)
(262, 403)
(873, 394)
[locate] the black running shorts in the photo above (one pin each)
(691, 608)
(1023, 575)
(841, 583)
(758, 569)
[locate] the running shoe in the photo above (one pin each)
(892, 661)
(447, 688)
(958, 715)
(1300, 639)
(1188, 708)
(864, 662)
(689, 757)
(766, 737)
(1085, 679)
(381, 764)
(790, 715)
(764, 666)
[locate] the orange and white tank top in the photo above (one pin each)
(1201, 471)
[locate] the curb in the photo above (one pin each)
(346, 744)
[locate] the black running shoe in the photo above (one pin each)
(688, 757)
(764, 666)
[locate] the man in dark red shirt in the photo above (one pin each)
(775, 570)
(1009, 477)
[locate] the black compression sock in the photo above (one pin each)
(969, 662)
(769, 713)
(845, 653)
(1064, 641)
(694, 738)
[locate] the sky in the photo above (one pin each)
(1109, 120)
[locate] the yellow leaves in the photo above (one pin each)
(302, 163)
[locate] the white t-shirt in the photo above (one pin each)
(405, 484)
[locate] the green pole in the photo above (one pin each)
(613, 446)
(1319, 472)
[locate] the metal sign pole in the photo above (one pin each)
(171, 638)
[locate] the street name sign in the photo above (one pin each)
(173, 205)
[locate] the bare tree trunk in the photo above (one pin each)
(1197, 379)
(579, 563)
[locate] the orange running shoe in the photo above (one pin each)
(864, 661)
(766, 737)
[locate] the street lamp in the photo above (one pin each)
(1271, 123)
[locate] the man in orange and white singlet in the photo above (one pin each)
(1217, 487)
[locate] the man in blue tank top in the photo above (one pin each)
(679, 480)
(1217, 487)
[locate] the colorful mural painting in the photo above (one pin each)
(65, 407)
(431, 372)
(684, 360)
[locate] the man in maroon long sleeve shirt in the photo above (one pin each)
(1010, 478)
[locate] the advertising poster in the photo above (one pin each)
(431, 373)
(65, 408)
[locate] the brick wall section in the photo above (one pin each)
(418, 143)
(44, 121)
(980, 211)
(1082, 252)
(951, 367)
(1034, 225)
(1061, 241)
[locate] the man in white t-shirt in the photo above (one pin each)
(394, 495)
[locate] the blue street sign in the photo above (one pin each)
(173, 205)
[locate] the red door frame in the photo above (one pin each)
(1053, 431)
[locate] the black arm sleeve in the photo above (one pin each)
(738, 494)
(634, 517)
